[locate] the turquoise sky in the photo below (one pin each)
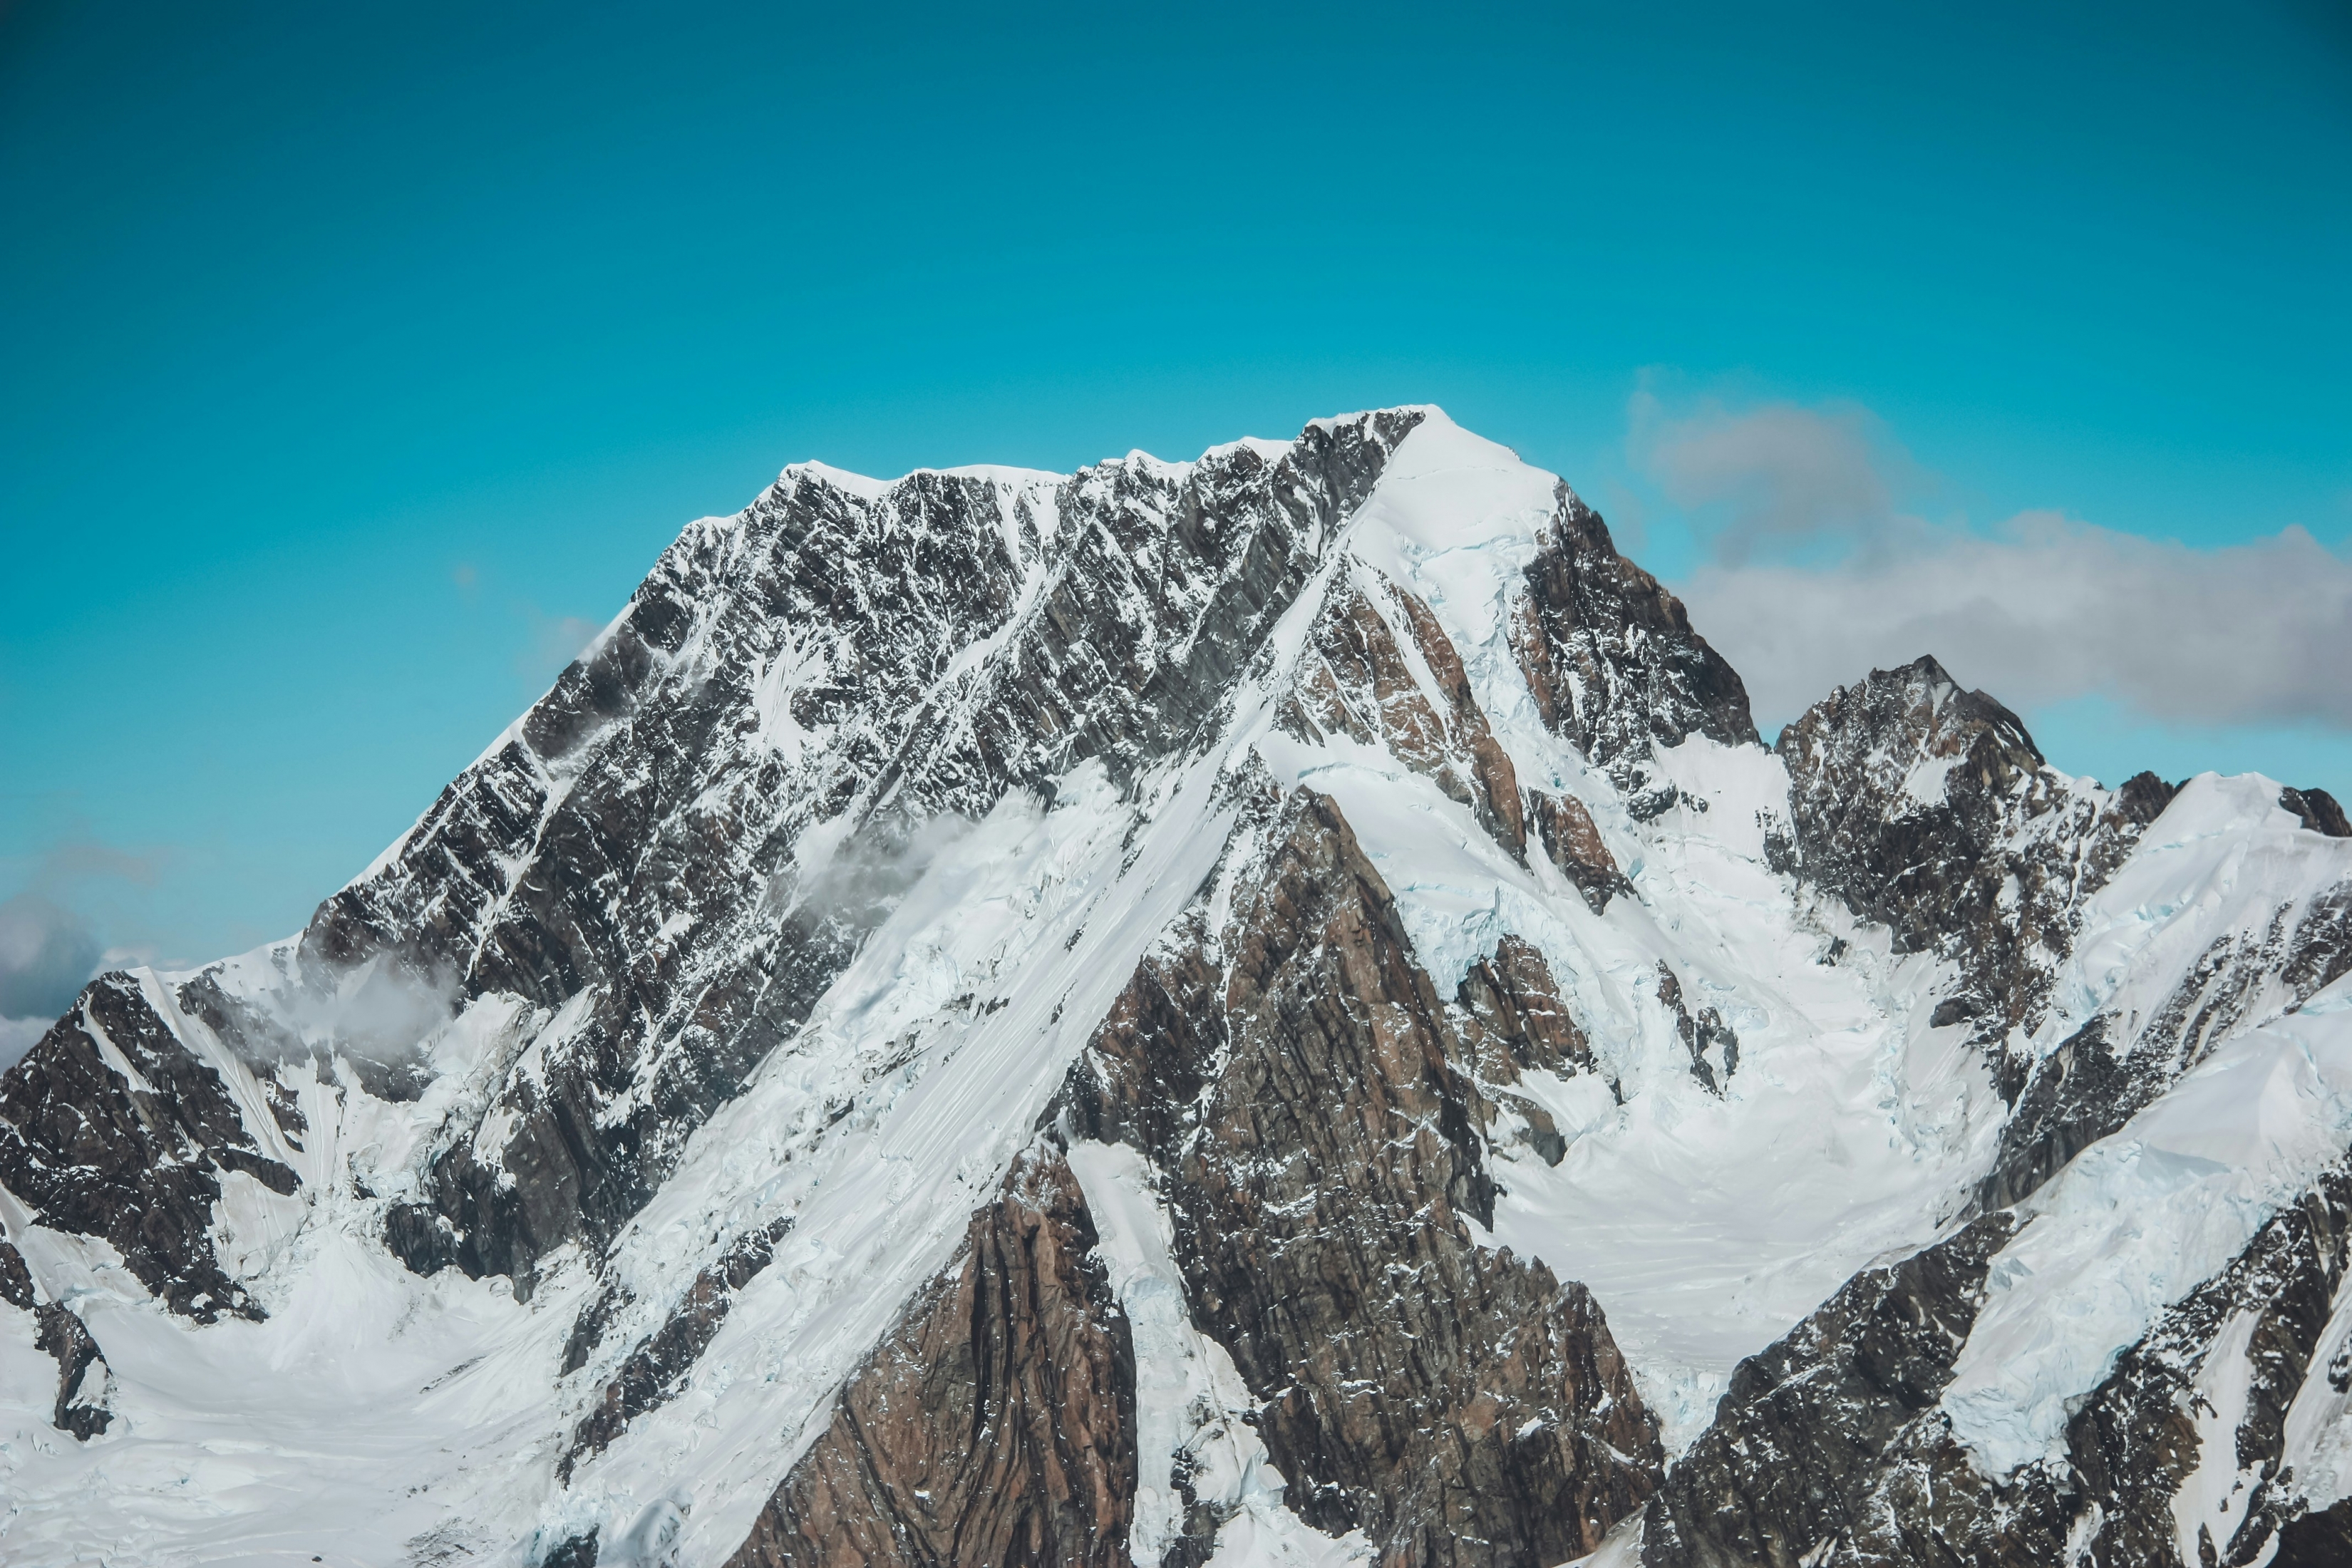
(356, 356)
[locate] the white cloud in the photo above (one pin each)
(1817, 577)
(555, 642)
(49, 942)
(2043, 610)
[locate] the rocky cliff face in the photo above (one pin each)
(1264, 1009)
(995, 1424)
(1612, 661)
(1929, 811)
(1311, 1114)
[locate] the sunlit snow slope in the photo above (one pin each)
(1262, 1010)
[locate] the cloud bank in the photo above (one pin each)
(1815, 577)
(45, 955)
(49, 951)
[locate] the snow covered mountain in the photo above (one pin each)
(1272, 1009)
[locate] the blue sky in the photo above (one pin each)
(360, 357)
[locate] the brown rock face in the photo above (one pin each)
(1512, 996)
(1574, 845)
(1516, 1021)
(994, 1427)
(1312, 1108)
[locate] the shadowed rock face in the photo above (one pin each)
(1163, 587)
(994, 1425)
(657, 1369)
(2317, 810)
(1829, 1450)
(2087, 1087)
(1801, 1436)
(1713, 1045)
(2320, 1540)
(2135, 1438)
(1311, 1107)
(1928, 808)
(80, 1407)
(1614, 663)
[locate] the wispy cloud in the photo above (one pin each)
(79, 859)
(555, 642)
(2043, 610)
(1817, 575)
(1776, 474)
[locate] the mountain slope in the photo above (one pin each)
(1266, 1009)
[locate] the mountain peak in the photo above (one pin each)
(1238, 1010)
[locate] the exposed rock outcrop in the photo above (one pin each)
(1565, 829)
(1515, 1020)
(806, 664)
(653, 1371)
(1713, 1045)
(1786, 1471)
(1362, 684)
(112, 1127)
(2317, 810)
(1265, 886)
(1929, 809)
(1830, 1449)
(81, 1406)
(1307, 1102)
(1612, 661)
(994, 1424)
